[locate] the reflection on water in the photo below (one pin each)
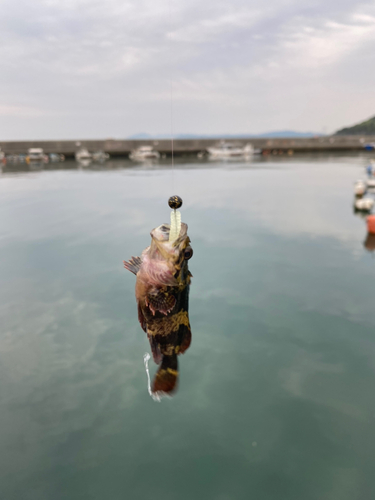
(276, 400)
(67, 165)
(122, 163)
(369, 242)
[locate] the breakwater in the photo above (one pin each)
(118, 147)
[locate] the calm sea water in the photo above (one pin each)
(276, 397)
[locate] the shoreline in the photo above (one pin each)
(182, 147)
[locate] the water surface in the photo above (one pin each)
(276, 397)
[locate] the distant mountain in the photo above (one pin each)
(275, 134)
(365, 128)
(288, 133)
(141, 135)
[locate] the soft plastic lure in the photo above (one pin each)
(175, 202)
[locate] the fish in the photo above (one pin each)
(162, 295)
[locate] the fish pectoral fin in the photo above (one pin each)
(133, 265)
(160, 301)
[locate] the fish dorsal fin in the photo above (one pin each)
(133, 265)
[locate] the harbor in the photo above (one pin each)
(183, 147)
(187, 250)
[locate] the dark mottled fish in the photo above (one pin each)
(162, 294)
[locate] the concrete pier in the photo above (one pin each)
(192, 146)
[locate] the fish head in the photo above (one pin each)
(176, 253)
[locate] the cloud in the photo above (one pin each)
(330, 43)
(209, 30)
(285, 65)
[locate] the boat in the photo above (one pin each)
(100, 156)
(36, 155)
(230, 150)
(364, 204)
(370, 146)
(359, 188)
(371, 168)
(55, 157)
(371, 183)
(83, 154)
(13, 159)
(144, 153)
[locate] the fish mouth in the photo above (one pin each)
(164, 230)
(161, 233)
(168, 249)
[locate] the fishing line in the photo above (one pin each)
(171, 88)
(172, 133)
(156, 396)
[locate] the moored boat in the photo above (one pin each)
(144, 153)
(100, 156)
(36, 155)
(55, 157)
(230, 150)
(83, 155)
(359, 188)
(363, 204)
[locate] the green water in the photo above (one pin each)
(276, 397)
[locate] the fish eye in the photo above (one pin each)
(188, 253)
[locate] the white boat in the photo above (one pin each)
(144, 153)
(364, 204)
(370, 183)
(83, 154)
(228, 150)
(36, 155)
(100, 156)
(359, 188)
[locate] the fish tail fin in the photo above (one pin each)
(167, 375)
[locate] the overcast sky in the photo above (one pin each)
(100, 69)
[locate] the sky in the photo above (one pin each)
(110, 69)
